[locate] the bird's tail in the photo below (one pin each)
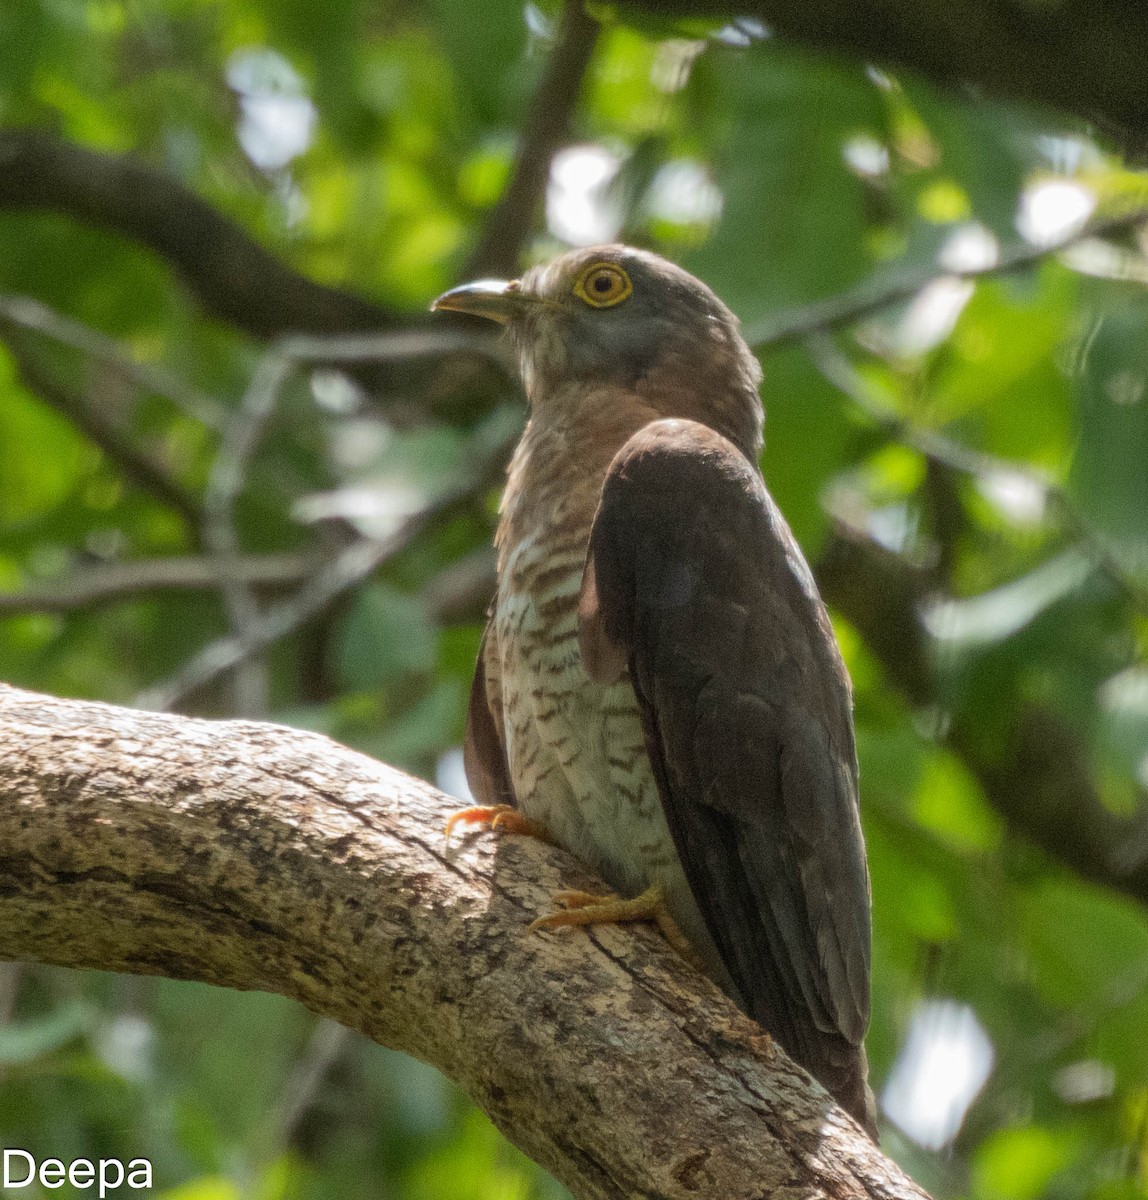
(849, 1086)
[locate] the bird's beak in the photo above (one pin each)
(496, 299)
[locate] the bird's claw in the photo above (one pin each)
(575, 899)
(504, 817)
(585, 908)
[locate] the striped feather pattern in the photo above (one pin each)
(576, 749)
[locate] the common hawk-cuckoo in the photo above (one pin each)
(659, 686)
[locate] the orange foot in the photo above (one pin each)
(584, 908)
(499, 816)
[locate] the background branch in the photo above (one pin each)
(876, 294)
(1035, 773)
(26, 313)
(93, 420)
(836, 368)
(342, 573)
(251, 856)
(231, 275)
(225, 483)
(105, 583)
(547, 126)
(458, 594)
(367, 153)
(1080, 56)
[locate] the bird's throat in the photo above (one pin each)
(555, 477)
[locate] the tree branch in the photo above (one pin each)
(547, 126)
(340, 573)
(459, 593)
(1042, 784)
(105, 583)
(1036, 773)
(256, 857)
(1080, 56)
(228, 272)
(835, 367)
(88, 416)
(898, 285)
(1039, 781)
(26, 313)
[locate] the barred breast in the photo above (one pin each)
(576, 749)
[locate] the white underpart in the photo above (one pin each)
(579, 747)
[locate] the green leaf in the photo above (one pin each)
(1109, 476)
(32, 484)
(485, 44)
(478, 1166)
(387, 635)
(949, 802)
(208, 1187)
(1079, 937)
(809, 439)
(1019, 1164)
(997, 374)
(794, 222)
(986, 146)
(415, 737)
(23, 1042)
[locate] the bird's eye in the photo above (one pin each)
(603, 285)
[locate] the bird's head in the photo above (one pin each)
(616, 316)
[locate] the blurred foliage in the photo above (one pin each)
(364, 142)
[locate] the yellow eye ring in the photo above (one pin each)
(603, 284)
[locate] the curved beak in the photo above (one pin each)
(496, 299)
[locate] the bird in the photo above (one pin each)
(658, 687)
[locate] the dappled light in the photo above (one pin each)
(945, 1061)
(1053, 210)
(277, 119)
(579, 208)
(245, 473)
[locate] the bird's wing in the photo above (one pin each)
(695, 583)
(483, 749)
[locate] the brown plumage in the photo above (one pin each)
(658, 683)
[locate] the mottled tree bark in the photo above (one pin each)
(256, 857)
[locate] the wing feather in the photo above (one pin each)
(695, 578)
(483, 749)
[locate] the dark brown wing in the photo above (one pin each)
(483, 749)
(693, 573)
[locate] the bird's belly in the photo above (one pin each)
(599, 795)
(578, 755)
(577, 752)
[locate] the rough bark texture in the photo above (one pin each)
(257, 857)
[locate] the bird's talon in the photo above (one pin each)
(577, 899)
(466, 816)
(504, 817)
(548, 922)
(585, 908)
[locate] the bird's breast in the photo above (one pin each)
(576, 749)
